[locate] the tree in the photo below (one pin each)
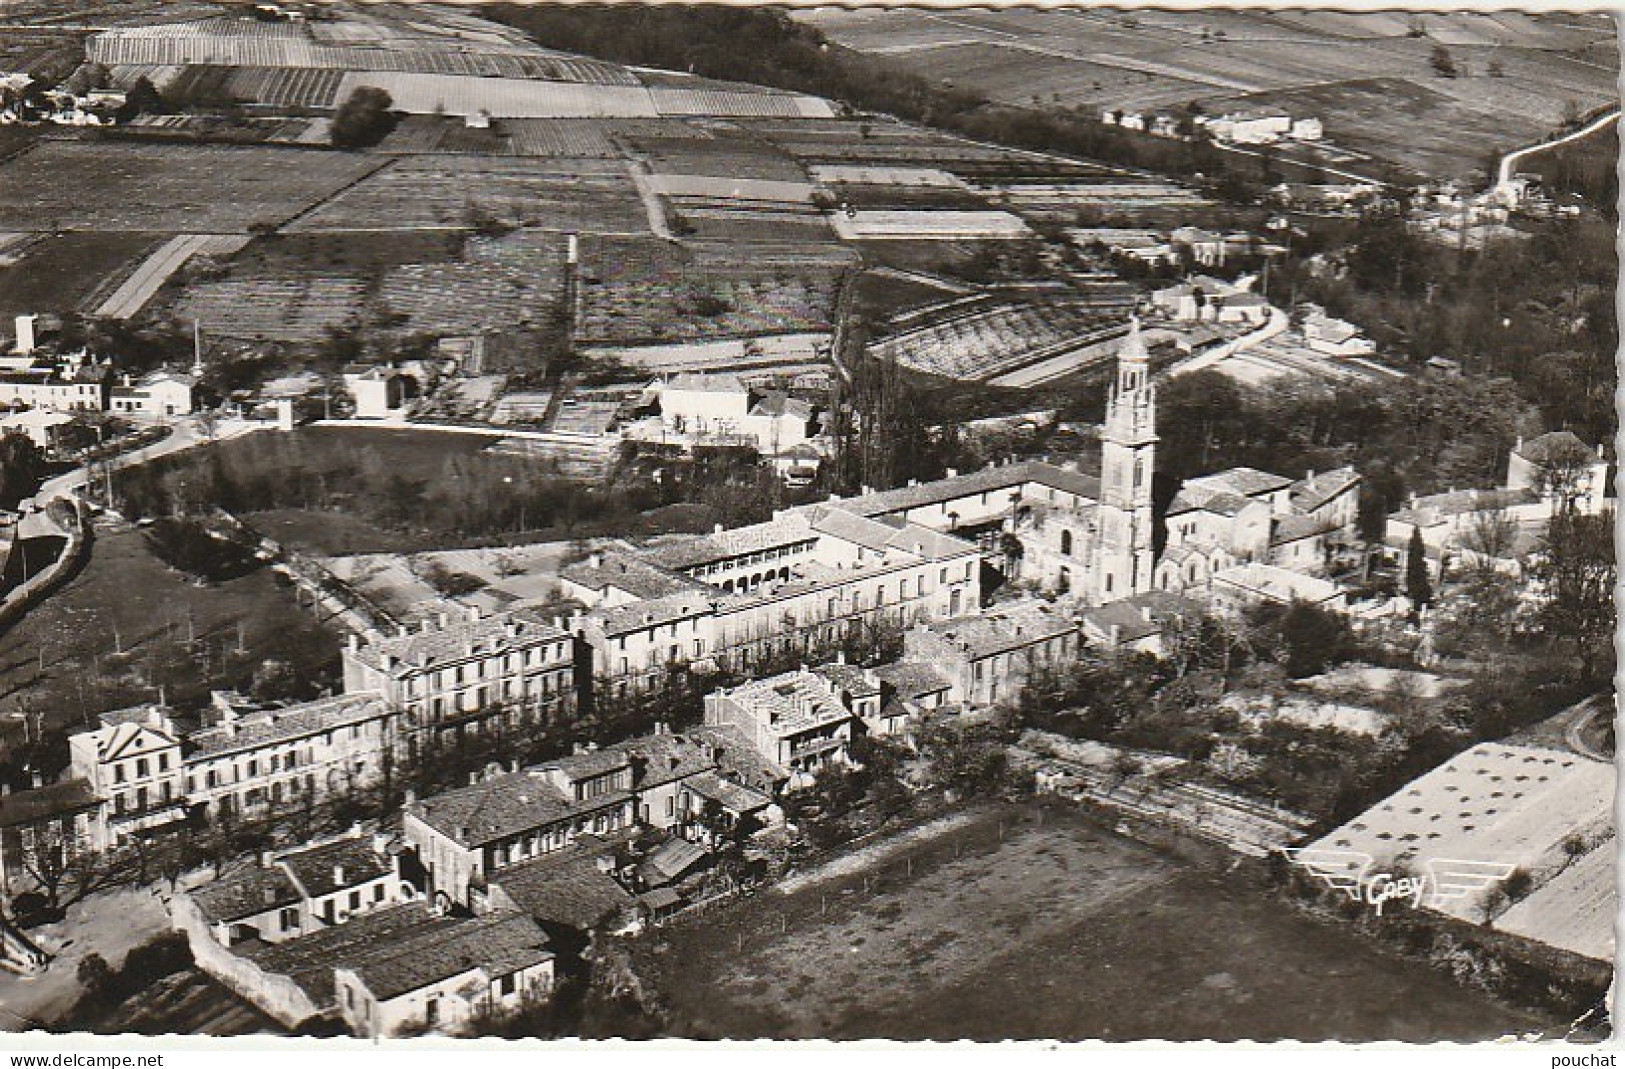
(1418, 584)
(1443, 64)
(1575, 567)
(1562, 470)
(363, 119)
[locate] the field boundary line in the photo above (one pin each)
(383, 162)
(875, 853)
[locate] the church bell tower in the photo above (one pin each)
(1128, 444)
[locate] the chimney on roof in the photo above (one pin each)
(411, 797)
(266, 859)
(473, 614)
(950, 473)
(270, 896)
(717, 528)
(473, 778)
(338, 875)
(595, 559)
(353, 643)
(1309, 476)
(401, 630)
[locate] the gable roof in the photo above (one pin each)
(434, 644)
(45, 803)
(316, 871)
(566, 886)
(1311, 492)
(245, 893)
(1555, 446)
(501, 806)
(498, 944)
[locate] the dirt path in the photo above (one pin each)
(874, 855)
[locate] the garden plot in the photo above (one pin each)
(648, 291)
(293, 310)
(1495, 803)
(457, 192)
(466, 298)
(1575, 910)
(63, 272)
(216, 189)
(929, 225)
(983, 342)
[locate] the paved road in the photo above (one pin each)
(1276, 325)
(185, 435)
(1510, 160)
(1574, 733)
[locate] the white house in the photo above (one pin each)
(159, 394)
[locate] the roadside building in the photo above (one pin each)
(158, 395)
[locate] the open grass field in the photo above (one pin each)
(201, 189)
(59, 272)
(1005, 929)
(1313, 63)
(128, 599)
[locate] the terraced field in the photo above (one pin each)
(294, 310)
(973, 341)
(434, 192)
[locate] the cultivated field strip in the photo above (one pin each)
(291, 310)
(167, 188)
(458, 192)
(1575, 910)
(138, 289)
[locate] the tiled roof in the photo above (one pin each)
(738, 760)
(913, 679)
(245, 893)
(985, 481)
(666, 757)
(501, 806)
(316, 870)
(289, 722)
(1436, 508)
(1555, 445)
(688, 552)
(566, 886)
(309, 960)
(43, 803)
(1001, 631)
(850, 677)
(1249, 482)
(728, 794)
(704, 383)
(782, 404)
(433, 644)
(626, 572)
(670, 861)
(497, 944)
(1130, 614)
(792, 701)
(1288, 529)
(620, 619)
(589, 764)
(1309, 494)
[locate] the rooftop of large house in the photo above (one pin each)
(497, 944)
(1212, 499)
(663, 757)
(653, 612)
(1556, 446)
(690, 551)
(732, 796)
(739, 762)
(913, 679)
(448, 639)
(309, 960)
(1439, 508)
(987, 480)
(1288, 529)
(1140, 616)
(626, 572)
(1250, 482)
(501, 806)
(1002, 629)
(1316, 489)
(261, 728)
(855, 680)
(1276, 584)
(42, 803)
(793, 702)
(702, 382)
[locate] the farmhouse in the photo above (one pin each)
(1203, 298)
(721, 409)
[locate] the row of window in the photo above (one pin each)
(483, 668)
(143, 768)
